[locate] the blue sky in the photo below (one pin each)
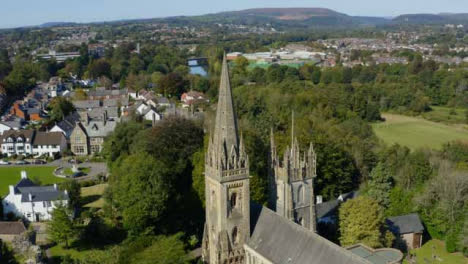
(15, 13)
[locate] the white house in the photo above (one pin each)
(17, 142)
(31, 142)
(49, 143)
(148, 112)
(32, 202)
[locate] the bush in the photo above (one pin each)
(451, 242)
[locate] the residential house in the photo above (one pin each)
(147, 112)
(79, 140)
(32, 202)
(17, 142)
(67, 125)
(408, 228)
(10, 124)
(49, 143)
(11, 230)
(193, 97)
(31, 142)
(88, 137)
(54, 86)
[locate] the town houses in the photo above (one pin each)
(32, 143)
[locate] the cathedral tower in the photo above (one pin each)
(227, 225)
(291, 182)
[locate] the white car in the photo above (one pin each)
(4, 162)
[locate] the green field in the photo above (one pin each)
(11, 176)
(93, 195)
(446, 115)
(437, 248)
(416, 132)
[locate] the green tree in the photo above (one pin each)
(98, 68)
(362, 221)
(380, 185)
(140, 191)
(74, 193)
(240, 66)
(172, 84)
(60, 107)
(61, 228)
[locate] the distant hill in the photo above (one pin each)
(301, 17)
(57, 24)
(289, 18)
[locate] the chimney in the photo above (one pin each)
(319, 199)
(55, 186)
(12, 189)
(30, 197)
(24, 175)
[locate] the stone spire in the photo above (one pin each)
(225, 135)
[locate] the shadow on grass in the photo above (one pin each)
(89, 199)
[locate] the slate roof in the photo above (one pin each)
(97, 113)
(27, 134)
(282, 241)
(69, 123)
(327, 208)
(12, 123)
(39, 193)
(48, 138)
(12, 228)
(405, 224)
(84, 104)
(115, 102)
(99, 128)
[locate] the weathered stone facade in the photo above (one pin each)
(79, 141)
(291, 182)
(227, 226)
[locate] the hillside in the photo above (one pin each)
(289, 18)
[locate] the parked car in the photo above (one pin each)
(74, 161)
(77, 174)
(21, 162)
(4, 162)
(38, 161)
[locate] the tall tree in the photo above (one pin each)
(61, 228)
(362, 221)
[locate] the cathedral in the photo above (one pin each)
(240, 231)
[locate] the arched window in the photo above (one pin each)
(233, 200)
(234, 235)
(300, 194)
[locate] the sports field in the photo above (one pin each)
(416, 132)
(11, 175)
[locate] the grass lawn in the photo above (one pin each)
(93, 195)
(416, 132)
(11, 176)
(437, 248)
(446, 115)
